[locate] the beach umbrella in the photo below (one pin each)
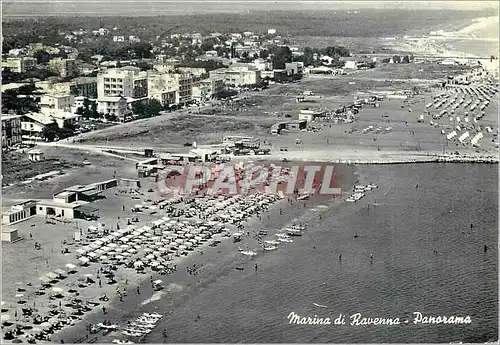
(148, 250)
(112, 245)
(103, 257)
(124, 246)
(132, 250)
(16, 341)
(163, 249)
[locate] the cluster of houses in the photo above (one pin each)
(117, 85)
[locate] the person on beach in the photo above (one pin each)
(485, 248)
(371, 259)
(256, 268)
(340, 257)
(138, 291)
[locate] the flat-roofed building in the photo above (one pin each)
(11, 130)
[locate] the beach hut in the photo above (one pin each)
(157, 284)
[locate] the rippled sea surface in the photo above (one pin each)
(426, 258)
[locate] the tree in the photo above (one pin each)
(283, 55)
(41, 56)
(308, 57)
(138, 108)
(396, 59)
(406, 59)
(263, 54)
(67, 130)
(51, 131)
(111, 117)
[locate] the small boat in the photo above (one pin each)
(373, 186)
(240, 268)
(143, 325)
(294, 232)
(350, 199)
(269, 248)
(272, 242)
(153, 316)
(131, 333)
(111, 327)
(285, 239)
(118, 341)
(248, 252)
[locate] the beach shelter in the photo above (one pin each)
(61, 273)
(94, 246)
(81, 251)
(84, 260)
(70, 268)
(51, 275)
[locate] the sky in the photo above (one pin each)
(147, 7)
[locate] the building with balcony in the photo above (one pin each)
(64, 67)
(19, 64)
(50, 105)
(116, 105)
(126, 81)
(11, 130)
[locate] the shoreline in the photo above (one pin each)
(217, 262)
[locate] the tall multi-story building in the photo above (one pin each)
(215, 85)
(238, 74)
(84, 86)
(126, 81)
(19, 64)
(184, 85)
(11, 130)
(64, 67)
(163, 88)
(50, 105)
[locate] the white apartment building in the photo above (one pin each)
(163, 88)
(51, 105)
(184, 85)
(127, 82)
(19, 64)
(242, 74)
(114, 105)
(215, 85)
(202, 93)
